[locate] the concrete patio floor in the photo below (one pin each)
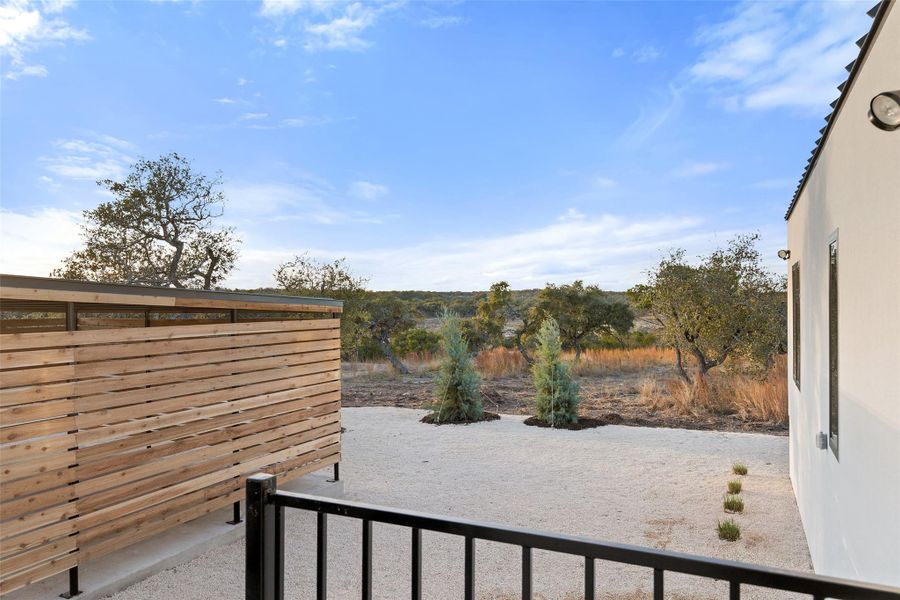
(651, 487)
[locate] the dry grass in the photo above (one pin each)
(723, 393)
(500, 362)
(504, 362)
(604, 361)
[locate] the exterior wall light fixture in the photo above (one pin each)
(884, 110)
(784, 254)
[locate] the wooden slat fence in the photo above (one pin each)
(109, 436)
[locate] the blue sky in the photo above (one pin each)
(439, 145)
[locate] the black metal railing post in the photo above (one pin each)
(73, 584)
(264, 576)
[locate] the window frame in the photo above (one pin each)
(833, 262)
(795, 323)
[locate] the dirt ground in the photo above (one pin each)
(614, 399)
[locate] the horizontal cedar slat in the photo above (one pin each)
(23, 341)
(205, 412)
(315, 373)
(30, 394)
(308, 363)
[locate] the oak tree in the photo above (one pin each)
(159, 229)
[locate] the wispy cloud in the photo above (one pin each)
(101, 157)
(253, 116)
(441, 21)
(225, 100)
(698, 169)
(645, 53)
(366, 190)
(34, 243)
(604, 182)
(774, 54)
(326, 25)
(611, 250)
(652, 116)
(27, 26)
(307, 200)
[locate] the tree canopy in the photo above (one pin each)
(727, 305)
(159, 229)
(581, 312)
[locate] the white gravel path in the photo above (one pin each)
(646, 486)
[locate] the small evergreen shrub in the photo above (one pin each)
(729, 530)
(456, 392)
(734, 486)
(733, 503)
(557, 392)
(739, 468)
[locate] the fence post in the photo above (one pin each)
(264, 575)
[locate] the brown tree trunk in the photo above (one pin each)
(385, 344)
(679, 365)
(522, 349)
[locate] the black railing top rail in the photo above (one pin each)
(662, 560)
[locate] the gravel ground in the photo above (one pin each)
(647, 486)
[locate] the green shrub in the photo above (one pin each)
(739, 468)
(733, 503)
(416, 340)
(456, 392)
(729, 530)
(734, 486)
(557, 392)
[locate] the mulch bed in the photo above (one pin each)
(430, 419)
(582, 423)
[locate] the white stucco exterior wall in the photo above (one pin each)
(850, 505)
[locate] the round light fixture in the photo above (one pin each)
(884, 110)
(784, 254)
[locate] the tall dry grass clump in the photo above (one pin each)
(604, 361)
(758, 399)
(750, 398)
(500, 362)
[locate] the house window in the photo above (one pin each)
(833, 345)
(795, 320)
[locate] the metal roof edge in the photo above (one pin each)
(877, 13)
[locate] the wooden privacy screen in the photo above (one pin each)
(113, 435)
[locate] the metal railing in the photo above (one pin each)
(265, 552)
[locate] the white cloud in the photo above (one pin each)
(772, 54)
(310, 200)
(326, 25)
(25, 28)
(604, 182)
(253, 116)
(284, 8)
(652, 116)
(242, 81)
(618, 53)
(225, 100)
(610, 250)
(698, 169)
(35, 243)
(89, 160)
(440, 22)
(645, 54)
(366, 190)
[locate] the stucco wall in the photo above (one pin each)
(850, 505)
